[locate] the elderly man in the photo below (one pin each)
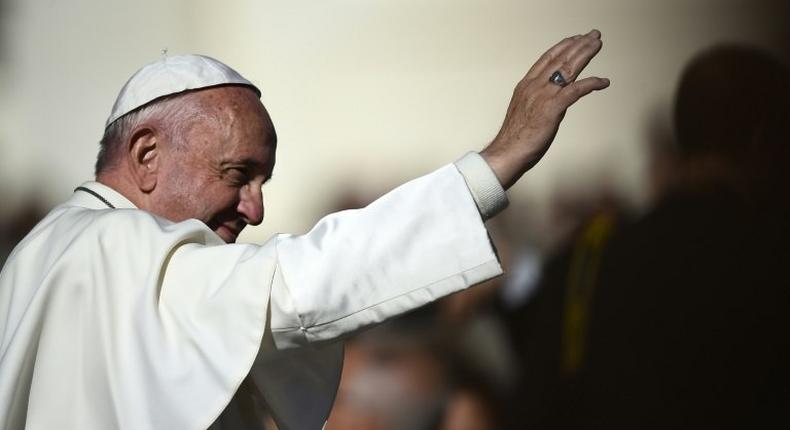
(129, 306)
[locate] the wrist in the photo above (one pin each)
(506, 165)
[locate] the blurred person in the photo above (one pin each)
(677, 319)
(407, 375)
(130, 306)
(394, 377)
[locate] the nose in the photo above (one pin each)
(251, 204)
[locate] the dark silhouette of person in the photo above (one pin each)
(679, 318)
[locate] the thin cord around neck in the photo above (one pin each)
(95, 194)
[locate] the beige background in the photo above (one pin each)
(364, 94)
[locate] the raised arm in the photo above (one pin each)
(425, 239)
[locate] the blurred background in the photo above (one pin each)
(368, 94)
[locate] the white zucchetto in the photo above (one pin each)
(172, 75)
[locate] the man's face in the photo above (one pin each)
(216, 171)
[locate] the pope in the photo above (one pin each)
(131, 306)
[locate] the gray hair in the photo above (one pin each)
(172, 113)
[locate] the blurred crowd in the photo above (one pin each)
(673, 317)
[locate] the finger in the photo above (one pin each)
(591, 37)
(550, 56)
(575, 57)
(580, 58)
(576, 90)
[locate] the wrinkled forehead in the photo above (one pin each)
(233, 108)
(230, 99)
(230, 121)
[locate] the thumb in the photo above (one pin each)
(576, 90)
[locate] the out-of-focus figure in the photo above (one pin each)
(678, 319)
(411, 375)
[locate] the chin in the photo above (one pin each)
(229, 239)
(226, 234)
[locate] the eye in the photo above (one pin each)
(237, 176)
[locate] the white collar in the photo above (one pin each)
(88, 199)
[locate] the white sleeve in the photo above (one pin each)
(420, 242)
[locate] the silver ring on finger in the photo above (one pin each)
(557, 79)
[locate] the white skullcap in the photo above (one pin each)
(173, 75)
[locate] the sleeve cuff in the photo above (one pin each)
(483, 184)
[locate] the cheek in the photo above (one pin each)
(219, 201)
(185, 197)
(195, 193)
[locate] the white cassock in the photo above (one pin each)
(115, 318)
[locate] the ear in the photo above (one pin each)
(144, 151)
